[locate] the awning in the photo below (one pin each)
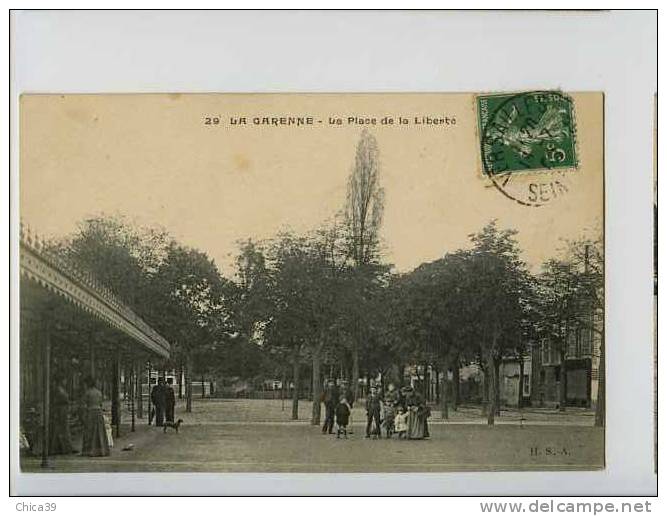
(80, 288)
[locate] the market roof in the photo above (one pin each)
(60, 277)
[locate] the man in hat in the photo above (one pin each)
(159, 400)
(330, 398)
(170, 400)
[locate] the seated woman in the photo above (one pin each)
(95, 443)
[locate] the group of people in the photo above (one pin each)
(96, 434)
(164, 401)
(338, 402)
(399, 411)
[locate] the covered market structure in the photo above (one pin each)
(71, 326)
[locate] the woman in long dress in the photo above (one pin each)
(61, 439)
(417, 426)
(95, 443)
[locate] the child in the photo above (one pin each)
(342, 417)
(401, 423)
(389, 416)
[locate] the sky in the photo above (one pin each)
(154, 160)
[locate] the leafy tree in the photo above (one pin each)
(497, 279)
(189, 293)
(440, 316)
(285, 299)
(363, 217)
(120, 257)
(177, 290)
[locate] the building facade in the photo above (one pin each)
(577, 365)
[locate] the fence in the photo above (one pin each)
(259, 394)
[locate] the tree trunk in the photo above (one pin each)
(456, 379)
(562, 385)
(295, 391)
(485, 390)
(180, 381)
(203, 389)
(282, 389)
(600, 409)
(188, 384)
(46, 393)
(317, 386)
(149, 403)
(519, 401)
(443, 394)
(115, 395)
(140, 390)
(496, 384)
(436, 369)
(355, 369)
(491, 383)
(132, 395)
(125, 375)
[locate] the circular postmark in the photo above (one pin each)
(528, 144)
(534, 189)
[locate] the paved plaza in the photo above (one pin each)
(259, 436)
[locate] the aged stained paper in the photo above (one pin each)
(360, 209)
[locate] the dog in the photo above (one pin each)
(171, 424)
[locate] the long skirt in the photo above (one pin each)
(95, 442)
(61, 439)
(416, 424)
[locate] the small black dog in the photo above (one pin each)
(171, 424)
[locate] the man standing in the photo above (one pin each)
(330, 399)
(159, 400)
(348, 393)
(373, 408)
(170, 401)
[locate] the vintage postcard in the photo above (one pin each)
(312, 282)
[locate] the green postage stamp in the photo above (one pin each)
(526, 132)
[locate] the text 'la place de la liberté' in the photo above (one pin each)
(287, 121)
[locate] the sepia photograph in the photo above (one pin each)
(312, 282)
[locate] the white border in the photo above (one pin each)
(614, 52)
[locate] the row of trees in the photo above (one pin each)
(176, 289)
(306, 304)
(301, 303)
(482, 304)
